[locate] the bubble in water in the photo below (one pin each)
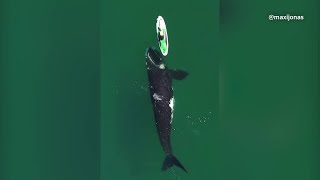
(117, 89)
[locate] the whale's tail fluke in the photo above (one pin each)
(169, 161)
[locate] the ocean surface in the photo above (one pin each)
(75, 102)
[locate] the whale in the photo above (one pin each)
(160, 78)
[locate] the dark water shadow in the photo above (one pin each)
(231, 14)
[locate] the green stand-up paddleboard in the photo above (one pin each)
(162, 35)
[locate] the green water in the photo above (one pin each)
(128, 134)
(75, 102)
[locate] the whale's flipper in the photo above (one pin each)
(178, 74)
(169, 161)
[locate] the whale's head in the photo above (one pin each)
(154, 58)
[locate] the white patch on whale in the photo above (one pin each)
(161, 66)
(156, 97)
(171, 105)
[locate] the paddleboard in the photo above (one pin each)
(162, 35)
